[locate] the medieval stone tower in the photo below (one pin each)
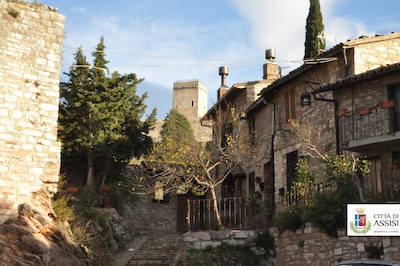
(31, 38)
(190, 99)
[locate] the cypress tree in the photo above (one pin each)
(314, 27)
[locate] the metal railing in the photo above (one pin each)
(236, 213)
(301, 196)
(374, 122)
(381, 185)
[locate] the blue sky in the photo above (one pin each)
(166, 41)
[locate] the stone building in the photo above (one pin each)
(239, 97)
(30, 60)
(273, 104)
(369, 125)
(347, 100)
(282, 103)
(190, 99)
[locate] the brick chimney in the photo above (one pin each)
(270, 67)
(223, 72)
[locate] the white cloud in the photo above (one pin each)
(79, 10)
(276, 24)
(140, 35)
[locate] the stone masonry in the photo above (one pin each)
(31, 38)
(309, 246)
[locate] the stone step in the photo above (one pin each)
(159, 249)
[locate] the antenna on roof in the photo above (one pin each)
(322, 40)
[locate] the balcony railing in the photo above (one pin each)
(382, 185)
(301, 196)
(365, 123)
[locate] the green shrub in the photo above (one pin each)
(88, 197)
(289, 220)
(96, 215)
(12, 12)
(265, 240)
(81, 233)
(121, 194)
(375, 251)
(62, 209)
(327, 212)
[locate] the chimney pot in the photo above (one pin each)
(223, 70)
(270, 54)
(270, 67)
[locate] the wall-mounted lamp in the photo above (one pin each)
(305, 98)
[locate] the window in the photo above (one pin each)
(291, 161)
(290, 105)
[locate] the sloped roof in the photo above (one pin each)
(378, 72)
(330, 54)
(334, 51)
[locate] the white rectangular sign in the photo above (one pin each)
(373, 219)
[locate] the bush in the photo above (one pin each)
(81, 233)
(327, 212)
(375, 251)
(121, 194)
(88, 197)
(265, 240)
(96, 215)
(62, 209)
(289, 220)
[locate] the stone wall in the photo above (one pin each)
(31, 38)
(383, 50)
(148, 214)
(308, 246)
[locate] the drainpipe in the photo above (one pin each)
(272, 153)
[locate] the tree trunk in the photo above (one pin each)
(357, 181)
(216, 210)
(90, 169)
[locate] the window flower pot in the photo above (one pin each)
(387, 104)
(364, 111)
(71, 189)
(342, 112)
(104, 189)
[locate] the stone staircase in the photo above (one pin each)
(160, 248)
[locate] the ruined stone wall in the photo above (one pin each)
(31, 38)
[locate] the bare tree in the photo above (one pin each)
(339, 166)
(181, 167)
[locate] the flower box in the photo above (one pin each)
(342, 112)
(387, 104)
(71, 189)
(364, 110)
(104, 189)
